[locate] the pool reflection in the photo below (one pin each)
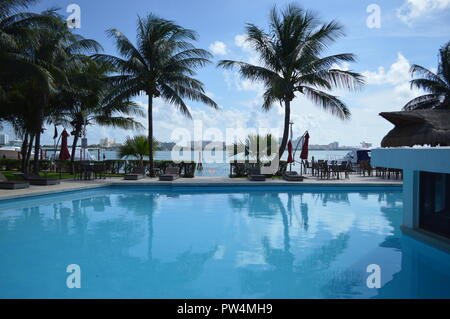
(142, 244)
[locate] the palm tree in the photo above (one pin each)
(21, 78)
(19, 32)
(291, 59)
(437, 85)
(137, 147)
(59, 53)
(256, 147)
(85, 101)
(162, 64)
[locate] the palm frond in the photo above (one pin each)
(327, 102)
(428, 101)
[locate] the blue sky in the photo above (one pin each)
(411, 32)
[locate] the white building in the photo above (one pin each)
(4, 139)
(333, 146)
(107, 142)
(426, 190)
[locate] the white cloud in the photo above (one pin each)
(240, 40)
(397, 74)
(235, 82)
(218, 48)
(414, 9)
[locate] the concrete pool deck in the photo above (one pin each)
(71, 185)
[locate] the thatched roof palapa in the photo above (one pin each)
(420, 127)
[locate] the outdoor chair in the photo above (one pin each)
(343, 167)
(366, 168)
(6, 184)
(307, 166)
(136, 174)
(254, 174)
(292, 177)
(170, 174)
(37, 180)
(324, 170)
(99, 170)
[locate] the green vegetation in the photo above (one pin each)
(437, 85)
(161, 64)
(48, 76)
(292, 62)
(138, 147)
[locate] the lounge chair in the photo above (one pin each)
(292, 177)
(5, 184)
(170, 174)
(39, 180)
(136, 174)
(254, 174)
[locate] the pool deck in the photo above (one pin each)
(71, 185)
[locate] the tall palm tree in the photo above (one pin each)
(291, 63)
(59, 53)
(20, 76)
(19, 33)
(436, 84)
(161, 64)
(85, 101)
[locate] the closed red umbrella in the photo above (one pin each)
(305, 148)
(290, 157)
(64, 154)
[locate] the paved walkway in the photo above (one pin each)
(69, 185)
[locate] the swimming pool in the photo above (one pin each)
(221, 242)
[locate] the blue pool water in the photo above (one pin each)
(141, 242)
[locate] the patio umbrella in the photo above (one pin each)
(290, 157)
(305, 148)
(64, 153)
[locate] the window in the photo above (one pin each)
(434, 206)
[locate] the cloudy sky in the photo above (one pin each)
(411, 31)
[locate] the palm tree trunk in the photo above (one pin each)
(287, 121)
(37, 141)
(150, 133)
(37, 148)
(30, 148)
(24, 151)
(74, 150)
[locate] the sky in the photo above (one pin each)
(409, 32)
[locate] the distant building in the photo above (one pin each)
(202, 145)
(333, 146)
(4, 139)
(366, 145)
(15, 143)
(107, 142)
(163, 146)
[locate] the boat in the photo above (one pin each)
(356, 155)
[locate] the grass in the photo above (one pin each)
(10, 175)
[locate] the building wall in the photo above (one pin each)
(4, 139)
(426, 159)
(412, 161)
